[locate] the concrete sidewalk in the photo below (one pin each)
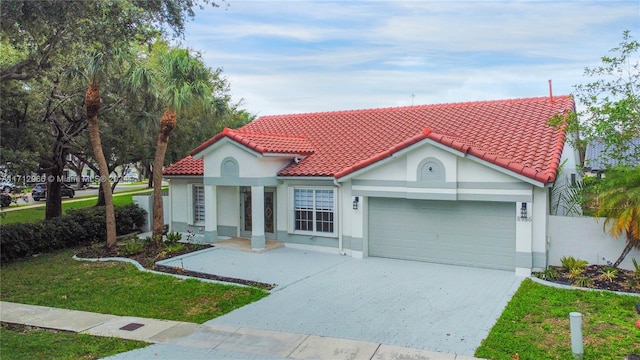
(179, 340)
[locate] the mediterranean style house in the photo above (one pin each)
(462, 183)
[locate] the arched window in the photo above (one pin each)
(431, 170)
(229, 168)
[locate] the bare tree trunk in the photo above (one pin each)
(626, 250)
(101, 197)
(631, 243)
(92, 103)
(54, 195)
(101, 201)
(166, 125)
(53, 167)
(158, 216)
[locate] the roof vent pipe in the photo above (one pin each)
(550, 91)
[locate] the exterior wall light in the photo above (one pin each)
(524, 214)
(356, 200)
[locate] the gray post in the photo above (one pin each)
(575, 321)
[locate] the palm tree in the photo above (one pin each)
(92, 104)
(177, 79)
(619, 202)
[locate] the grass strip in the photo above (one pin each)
(535, 325)
(25, 343)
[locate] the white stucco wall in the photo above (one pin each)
(448, 160)
(473, 171)
(251, 164)
(394, 170)
(540, 219)
(457, 169)
(282, 207)
(228, 206)
(584, 238)
(146, 203)
(179, 189)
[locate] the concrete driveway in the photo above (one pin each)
(420, 305)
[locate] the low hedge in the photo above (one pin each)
(76, 227)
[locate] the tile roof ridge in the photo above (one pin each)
(266, 134)
(422, 106)
(499, 101)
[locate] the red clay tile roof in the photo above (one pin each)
(185, 167)
(512, 134)
(263, 142)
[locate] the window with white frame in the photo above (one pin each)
(314, 211)
(198, 203)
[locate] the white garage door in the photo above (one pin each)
(454, 232)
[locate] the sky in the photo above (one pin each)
(285, 57)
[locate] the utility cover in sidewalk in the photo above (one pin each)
(132, 327)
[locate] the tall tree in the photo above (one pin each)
(40, 38)
(41, 29)
(611, 104)
(182, 80)
(92, 103)
(619, 203)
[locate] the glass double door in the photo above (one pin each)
(246, 223)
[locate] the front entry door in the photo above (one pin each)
(269, 212)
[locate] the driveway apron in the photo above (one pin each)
(420, 305)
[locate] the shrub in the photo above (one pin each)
(582, 281)
(92, 220)
(77, 227)
(133, 245)
(548, 274)
(575, 273)
(571, 263)
(172, 248)
(13, 238)
(172, 238)
(129, 218)
(608, 274)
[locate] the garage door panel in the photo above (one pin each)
(470, 233)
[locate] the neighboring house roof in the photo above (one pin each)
(512, 134)
(596, 157)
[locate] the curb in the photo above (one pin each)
(571, 287)
(142, 268)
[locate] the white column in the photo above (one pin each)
(210, 213)
(540, 231)
(524, 255)
(257, 218)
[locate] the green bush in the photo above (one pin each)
(571, 263)
(548, 274)
(92, 220)
(129, 218)
(82, 226)
(172, 238)
(133, 245)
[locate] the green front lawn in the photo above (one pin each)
(535, 325)
(117, 288)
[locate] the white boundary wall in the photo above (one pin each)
(146, 203)
(584, 238)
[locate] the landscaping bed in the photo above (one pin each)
(601, 277)
(149, 255)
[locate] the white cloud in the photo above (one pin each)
(292, 56)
